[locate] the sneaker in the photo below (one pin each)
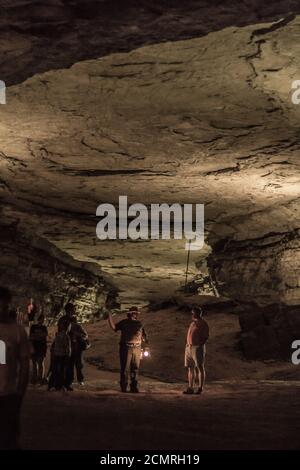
(134, 390)
(82, 384)
(199, 391)
(69, 389)
(188, 391)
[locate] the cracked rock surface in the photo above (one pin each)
(31, 264)
(41, 35)
(207, 119)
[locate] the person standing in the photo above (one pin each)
(66, 319)
(132, 335)
(21, 317)
(32, 311)
(38, 338)
(64, 324)
(60, 356)
(79, 343)
(197, 336)
(14, 373)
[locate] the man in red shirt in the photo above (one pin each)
(197, 336)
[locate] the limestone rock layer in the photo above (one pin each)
(206, 119)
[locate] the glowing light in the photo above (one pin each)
(145, 353)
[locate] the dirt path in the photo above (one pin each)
(249, 415)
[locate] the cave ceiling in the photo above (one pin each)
(201, 115)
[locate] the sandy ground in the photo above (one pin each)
(229, 415)
(166, 330)
(243, 406)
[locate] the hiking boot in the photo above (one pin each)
(188, 391)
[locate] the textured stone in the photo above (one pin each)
(203, 120)
(40, 35)
(34, 268)
(275, 325)
(264, 270)
(250, 320)
(260, 343)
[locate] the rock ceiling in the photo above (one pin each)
(202, 120)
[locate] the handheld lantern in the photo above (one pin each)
(145, 353)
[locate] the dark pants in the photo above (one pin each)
(38, 369)
(58, 377)
(130, 358)
(75, 362)
(10, 407)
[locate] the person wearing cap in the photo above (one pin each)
(132, 336)
(197, 336)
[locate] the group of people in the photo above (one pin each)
(66, 355)
(133, 337)
(66, 350)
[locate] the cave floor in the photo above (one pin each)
(229, 415)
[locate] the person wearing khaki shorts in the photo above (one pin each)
(194, 356)
(195, 349)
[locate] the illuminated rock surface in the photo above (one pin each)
(203, 120)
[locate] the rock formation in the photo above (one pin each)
(30, 266)
(41, 35)
(206, 119)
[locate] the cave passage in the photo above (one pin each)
(116, 117)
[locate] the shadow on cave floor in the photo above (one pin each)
(234, 412)
(51, 35)
(106, 419)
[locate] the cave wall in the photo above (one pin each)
(32, 267)
(205, 120)
(263, 276)
(268, 332)
(266, 270)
